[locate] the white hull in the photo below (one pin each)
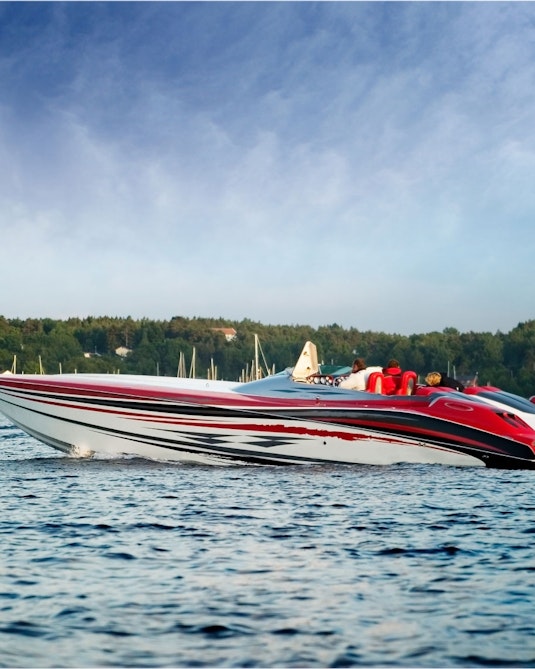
(88, 430)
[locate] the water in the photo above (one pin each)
(142, 564)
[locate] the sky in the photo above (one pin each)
(367, 164)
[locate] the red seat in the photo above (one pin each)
(375, 383)
(408, 383)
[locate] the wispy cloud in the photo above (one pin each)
(362, 163)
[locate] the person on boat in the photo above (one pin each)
(442, 380)
(358, 378)
(392, 377)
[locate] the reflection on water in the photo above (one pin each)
(137, 563)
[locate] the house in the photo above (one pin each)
(230, 333)
(122, 351)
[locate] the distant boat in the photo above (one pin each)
(256, 371)
(13, 369)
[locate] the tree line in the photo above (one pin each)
(157, 347)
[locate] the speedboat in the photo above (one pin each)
(298, 416)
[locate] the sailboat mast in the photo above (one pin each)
(256, 358)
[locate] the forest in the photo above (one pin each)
(197, 346)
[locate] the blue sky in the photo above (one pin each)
(366, 164)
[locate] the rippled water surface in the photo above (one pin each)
(136, 563)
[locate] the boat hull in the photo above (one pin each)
(254, 441)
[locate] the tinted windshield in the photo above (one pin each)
(514, 401)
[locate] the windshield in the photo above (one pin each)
(514, 401)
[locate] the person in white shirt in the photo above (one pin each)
(358, 379)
